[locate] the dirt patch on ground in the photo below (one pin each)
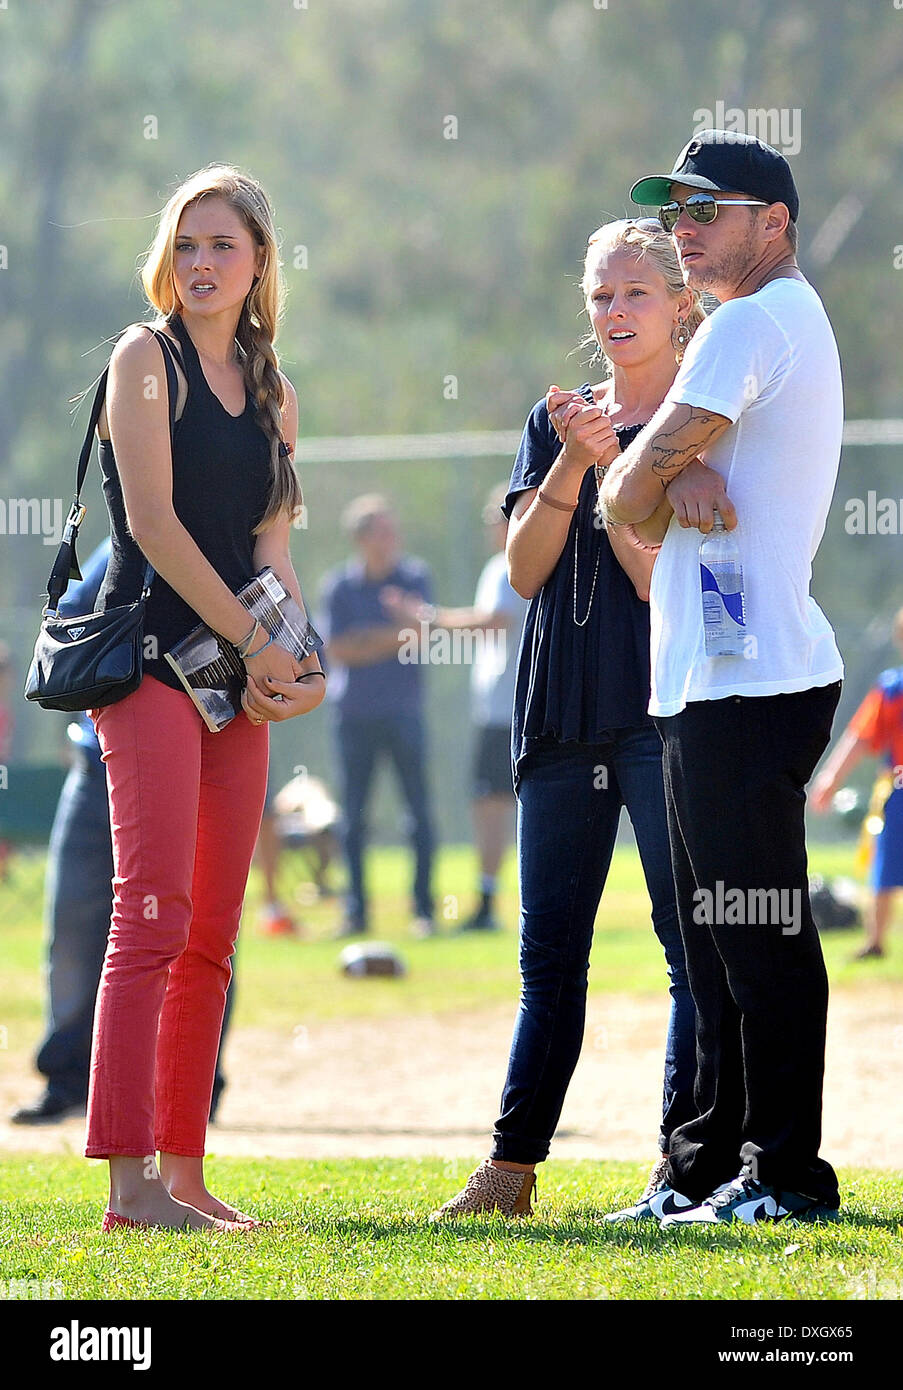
(425, 1085)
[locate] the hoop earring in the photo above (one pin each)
(680, 336)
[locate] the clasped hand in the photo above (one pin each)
(276, 693)
(585, 430)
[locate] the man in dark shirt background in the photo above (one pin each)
(378, 698)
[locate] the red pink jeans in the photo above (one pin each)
(185, 811)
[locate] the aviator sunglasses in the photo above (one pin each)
(702, 207)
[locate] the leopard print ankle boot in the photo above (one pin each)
(490, 1189)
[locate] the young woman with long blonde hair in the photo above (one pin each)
(207, 505)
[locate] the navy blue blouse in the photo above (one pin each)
(577, 683)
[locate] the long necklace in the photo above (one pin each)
(581, 622)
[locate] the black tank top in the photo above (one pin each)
(221, 479)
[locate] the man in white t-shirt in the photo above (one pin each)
(759, 397)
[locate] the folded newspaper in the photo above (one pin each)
(210, 668)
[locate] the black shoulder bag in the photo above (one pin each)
(88, 662)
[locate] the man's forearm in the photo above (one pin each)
(635, 560)
(633, 485)
(365, 645)
(471, 619)
(652, 530)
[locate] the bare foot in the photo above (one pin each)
(205, 1202)
(183, 1176)
(157, 1207)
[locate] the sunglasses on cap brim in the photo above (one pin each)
(645, 224)
(702, 207)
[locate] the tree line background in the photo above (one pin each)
(412, 258)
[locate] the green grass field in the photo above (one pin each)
(358, 1229)
(283, 979)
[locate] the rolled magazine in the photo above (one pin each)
(209, 666)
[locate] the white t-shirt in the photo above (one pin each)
(769, 363)
(494, 669)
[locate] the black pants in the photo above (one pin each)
(735, 775)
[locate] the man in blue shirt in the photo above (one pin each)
(378, 697)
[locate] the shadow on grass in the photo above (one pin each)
(580, 1224)
(588, 1228)
(858, 1220)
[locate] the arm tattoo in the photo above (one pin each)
(673, 449)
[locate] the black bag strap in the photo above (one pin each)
(65, 566)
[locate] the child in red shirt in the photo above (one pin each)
(876, 729)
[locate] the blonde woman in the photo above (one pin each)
(583, 744)
(206, 510)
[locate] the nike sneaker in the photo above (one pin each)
(749, 1201)
(659, 1199)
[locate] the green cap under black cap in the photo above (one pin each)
(724, 161)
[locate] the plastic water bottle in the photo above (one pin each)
(723, 606)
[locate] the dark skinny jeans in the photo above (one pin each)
(569, 803)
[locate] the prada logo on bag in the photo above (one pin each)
(75, 631)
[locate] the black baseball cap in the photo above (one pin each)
(724, 161)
